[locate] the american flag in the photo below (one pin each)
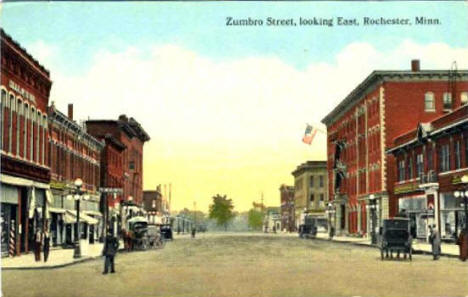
(309, 134)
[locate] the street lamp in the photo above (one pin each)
(464, 195)
(373, 207)
(78, 192)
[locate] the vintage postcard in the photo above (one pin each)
(234, 148)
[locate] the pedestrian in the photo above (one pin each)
(434, 239)
(462, 242)
(331, 233)
(46, 245)
(37, 244)
(111, 246)
(193, 232)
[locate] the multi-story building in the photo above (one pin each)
(73, 154)
(310, 190)
(25, 174)
(287, 208)
(129, 133)
(153, 205)
(431, 161)
(363, 126)
(272, 220)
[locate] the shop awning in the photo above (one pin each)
(70, 218)
(93, 213)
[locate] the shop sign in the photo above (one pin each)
(457, 179)
(57, 185)
(406, 188)
(21, 91)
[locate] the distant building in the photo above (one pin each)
(364, 125)
(153, 205)
(73, 154)
(310, 189)
(431, 162)
(25, 171)
(272, 220)
(287, 208)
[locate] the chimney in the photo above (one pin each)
(70, 111)
(415, 65)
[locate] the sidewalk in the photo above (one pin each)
(58, 257)
(450, 250)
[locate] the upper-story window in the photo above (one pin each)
(410, 168)
(464, 98)
(312, 197)
(3, 104)
(401, 170)
(444, 158)
(311, 181)
(419, 165)
(457, 155)
(429, 103)
(321, 181)
(466, 152)
(447, 100)
(429, 159)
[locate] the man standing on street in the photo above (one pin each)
(434, 239)
(111, 246)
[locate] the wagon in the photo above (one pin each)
(138, 232)
(396, 237)
(309, 228)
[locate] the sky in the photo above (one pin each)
(225, 106)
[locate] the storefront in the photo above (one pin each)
(421, 216)
(452, 216)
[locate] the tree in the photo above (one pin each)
(255, 219)
(221, 210)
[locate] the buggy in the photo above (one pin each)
(138, 232)
(396, 237)
(309, 228)
(166, 232)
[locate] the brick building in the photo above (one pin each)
(310, 190)
(122, 165)
(287, 208)
(73, 154)
(430, 163)
(153, 205)
(25, 175)
(360, 129)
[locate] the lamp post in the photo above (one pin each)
(78, 192)
(373, 207)
(464, 195)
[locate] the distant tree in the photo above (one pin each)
(255, 219)
(222, 210)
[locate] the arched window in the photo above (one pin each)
(44, 138)
(10, 122)
(31, 138)
(429, 102)
(38, 135)
(3, 104)
(19, 113)
(25, 129)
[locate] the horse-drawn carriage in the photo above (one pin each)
(309, 228)
(136, 235)
(396, 237)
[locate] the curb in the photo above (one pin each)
(87, 259)
(417, 252)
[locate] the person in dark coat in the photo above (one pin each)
(331, 233)
(37, 244)
(46, 245)
(194, 231)
(111, 246)
(434, 239)
(462, 242)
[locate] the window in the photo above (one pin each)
(410, 168)
(464, 98)
(419, 165)
(2, 106)
(321, 181)
(322, 197)
(457, 155)
(466, 151)
(311, 181)
(132, 165)
(18, 125)
(401, 170)
(312, 198)
(31, 144)
(10, 123)
(429, 104)
(444, 158)
(447, 100)
(25, 128)
(429, 159)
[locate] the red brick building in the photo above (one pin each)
(363, 126)
(430, 163)
(288, 220)
(73, 154)
(153, 205)
(123, 154)
(25, 175)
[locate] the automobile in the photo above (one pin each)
(166, 232)
(309, 228)
(396, 237)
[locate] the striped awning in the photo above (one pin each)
(70, 218)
